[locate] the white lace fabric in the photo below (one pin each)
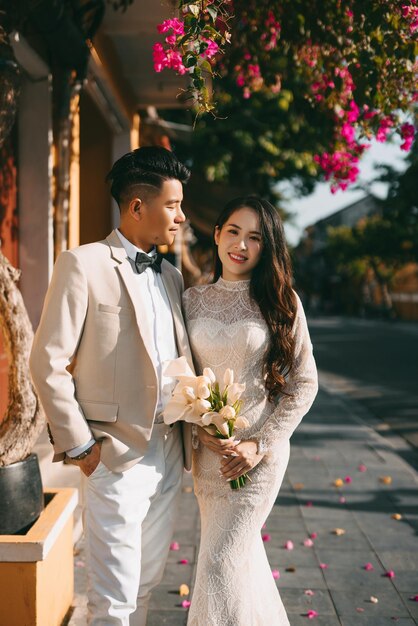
(234, 584)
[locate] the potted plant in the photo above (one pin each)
(36, 546)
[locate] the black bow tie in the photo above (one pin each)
(142, 261)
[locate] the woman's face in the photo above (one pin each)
(239, 244)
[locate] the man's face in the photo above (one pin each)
(161, 215)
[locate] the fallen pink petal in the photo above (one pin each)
(289, 545)
(313, 535)
(348, 480)
(308, 543)
(359, 609)
(184, 561)
(362, 468)
(323, 565)
(275, 573)
(266, 537)
(309, 503)
(174, 546)
(342, 500)
(414, 598)
(368, 567)
(312, 614)
(185, 604)
(390, 574)
(309, 592)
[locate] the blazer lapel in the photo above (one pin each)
(127, 274)
(179, 327)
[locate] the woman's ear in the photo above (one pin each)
(216, 235)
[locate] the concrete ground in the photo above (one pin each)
(347, 489)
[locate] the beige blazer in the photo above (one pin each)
(90, 359)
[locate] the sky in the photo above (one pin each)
(322, 202)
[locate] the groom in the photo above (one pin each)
(112, 316)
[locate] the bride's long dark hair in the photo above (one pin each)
(270, 287)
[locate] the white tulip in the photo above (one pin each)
(235, 391)
(228, 377)
(203, 390)
(209, 374)
(189, 394)
(241, 422)
(227, 412)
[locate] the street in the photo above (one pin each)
(375, 363)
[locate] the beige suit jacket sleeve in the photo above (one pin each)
(54, 347)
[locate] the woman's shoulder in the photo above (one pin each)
(196, 291)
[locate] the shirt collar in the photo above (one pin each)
(131, 250)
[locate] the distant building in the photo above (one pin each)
(326, 289)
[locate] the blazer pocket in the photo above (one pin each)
(112, 308)
(99, 411)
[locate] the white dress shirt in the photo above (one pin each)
(159, 319)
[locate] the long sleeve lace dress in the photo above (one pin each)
(234, 584)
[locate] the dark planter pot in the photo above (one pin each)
(21, 496)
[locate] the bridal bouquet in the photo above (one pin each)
(203, 401)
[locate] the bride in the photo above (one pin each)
(250, 320)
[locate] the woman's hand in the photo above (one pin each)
(243, 459)
(220, 446)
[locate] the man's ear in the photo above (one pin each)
(134, 208)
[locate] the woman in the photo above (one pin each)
(252, 321)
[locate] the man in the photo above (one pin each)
(112, 316)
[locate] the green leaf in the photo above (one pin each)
(212, 12)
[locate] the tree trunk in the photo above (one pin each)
(24, 417)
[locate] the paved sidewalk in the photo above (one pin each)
(349, 525)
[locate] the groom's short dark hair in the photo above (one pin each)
(149, 166)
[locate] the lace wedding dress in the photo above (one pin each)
(234, 584)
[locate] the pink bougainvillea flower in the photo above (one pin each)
(174, 546)
(264, 526)
(362, 468)
(414, 598)
(313, 535)
(308, 543)
(211, 50)
(185, 604)
(309, 592)
(368, 567)
(359, 609)
(266, 537)
(323, 565)
(407, 134)
(389, 574)
(275, 573)
(176, 25)
(289, 545)
(348, 480)
(342, 500)
(309, 503)
(312, 614)
(184, 561)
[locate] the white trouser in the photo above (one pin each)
(128, 524)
